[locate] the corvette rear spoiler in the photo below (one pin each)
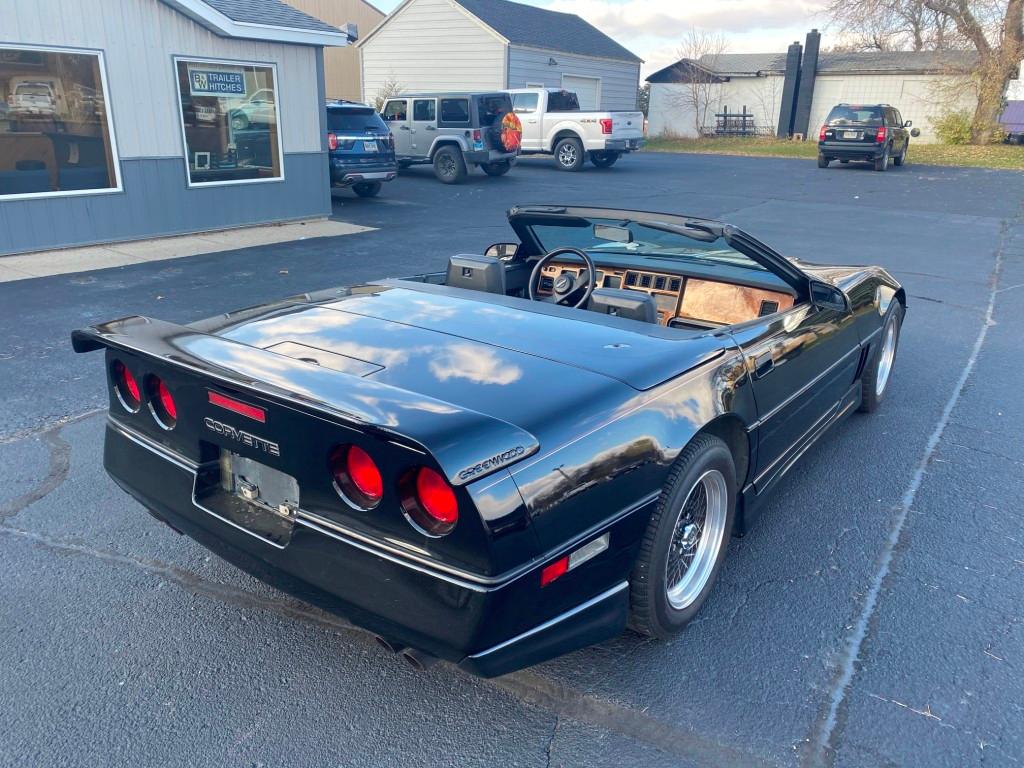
(466, 444)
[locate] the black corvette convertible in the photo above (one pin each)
(513, 458)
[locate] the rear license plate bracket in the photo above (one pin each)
(259, 499)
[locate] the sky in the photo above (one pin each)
(654, 29)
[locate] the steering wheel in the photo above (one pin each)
(566, 286)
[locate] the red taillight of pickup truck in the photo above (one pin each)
(606, 124)
(332, 141)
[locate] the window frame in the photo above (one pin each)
(430, 100)
(118, 188)
(181, 120)
(467, 123)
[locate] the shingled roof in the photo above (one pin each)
(551, 30)
(857, 62)
(270, 12)
(260, 20)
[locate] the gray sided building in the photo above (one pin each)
(128, 119)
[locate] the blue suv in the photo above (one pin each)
(361, 148)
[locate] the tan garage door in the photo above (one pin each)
(587, 89)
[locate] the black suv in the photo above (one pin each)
(361, 148)
(874, 132)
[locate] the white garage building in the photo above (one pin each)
(919, 84)
(470, 45)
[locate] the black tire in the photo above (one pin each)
(823, 161)
(651, 612)
(404, 164)
(871, 396)
(367, 188)
(901, 158)
(883, 162)
(604, 159)
(569, 154)
(844, 160)
(499, 168)
(449, 165)
(239, 121)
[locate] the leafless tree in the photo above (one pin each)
(994, 29)
(700, 93)
(391, 87)
(767, 97)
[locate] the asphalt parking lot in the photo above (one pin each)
(873, 616)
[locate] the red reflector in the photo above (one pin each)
(332, 141)
(363, 473)
(436, 497)
(166, 401)
(477, 135)
(238, 407)
(606, 125)
(821, 133)
(880, 136)
(554, 571)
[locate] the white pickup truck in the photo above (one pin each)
(554, 125)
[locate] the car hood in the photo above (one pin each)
(535, 369)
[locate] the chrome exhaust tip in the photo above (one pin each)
(388, 645)
(418, 660)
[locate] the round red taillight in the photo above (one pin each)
(429, 502)
(161, 402)
(356, 476)
(126, 386)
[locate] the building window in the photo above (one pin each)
(230, 121)
(55, 135)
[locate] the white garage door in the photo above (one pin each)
(587, 89)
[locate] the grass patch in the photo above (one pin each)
(1008, 156)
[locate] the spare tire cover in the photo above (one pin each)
(511, 132)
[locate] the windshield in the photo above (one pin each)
(843, 115)
(649, 239)
(33, 90)
(354, 120)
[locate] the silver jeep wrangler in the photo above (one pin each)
(451, 131)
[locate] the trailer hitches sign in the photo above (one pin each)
(216, 82)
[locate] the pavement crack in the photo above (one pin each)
(189, 580)
(558, 698)
(551, 741)
(37, 431)
(60, 463)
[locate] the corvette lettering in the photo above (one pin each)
(492, 463)
(243, 437)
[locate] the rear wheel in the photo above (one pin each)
(878, 373)
(882, 162)
(901, 158)
(823, 161)
(604, 159)
(497, 169)
(239, 121)
(569, 154)
(449, 167)
(367, 188)
(684, 545)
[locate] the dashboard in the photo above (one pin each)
(681, 299)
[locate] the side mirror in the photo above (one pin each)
(908, 123)
(915, 132)
(504, 251)
(825, 296)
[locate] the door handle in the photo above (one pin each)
(430, 128)
(404, 128)
(763, 365)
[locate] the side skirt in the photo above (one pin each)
(752, 498)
